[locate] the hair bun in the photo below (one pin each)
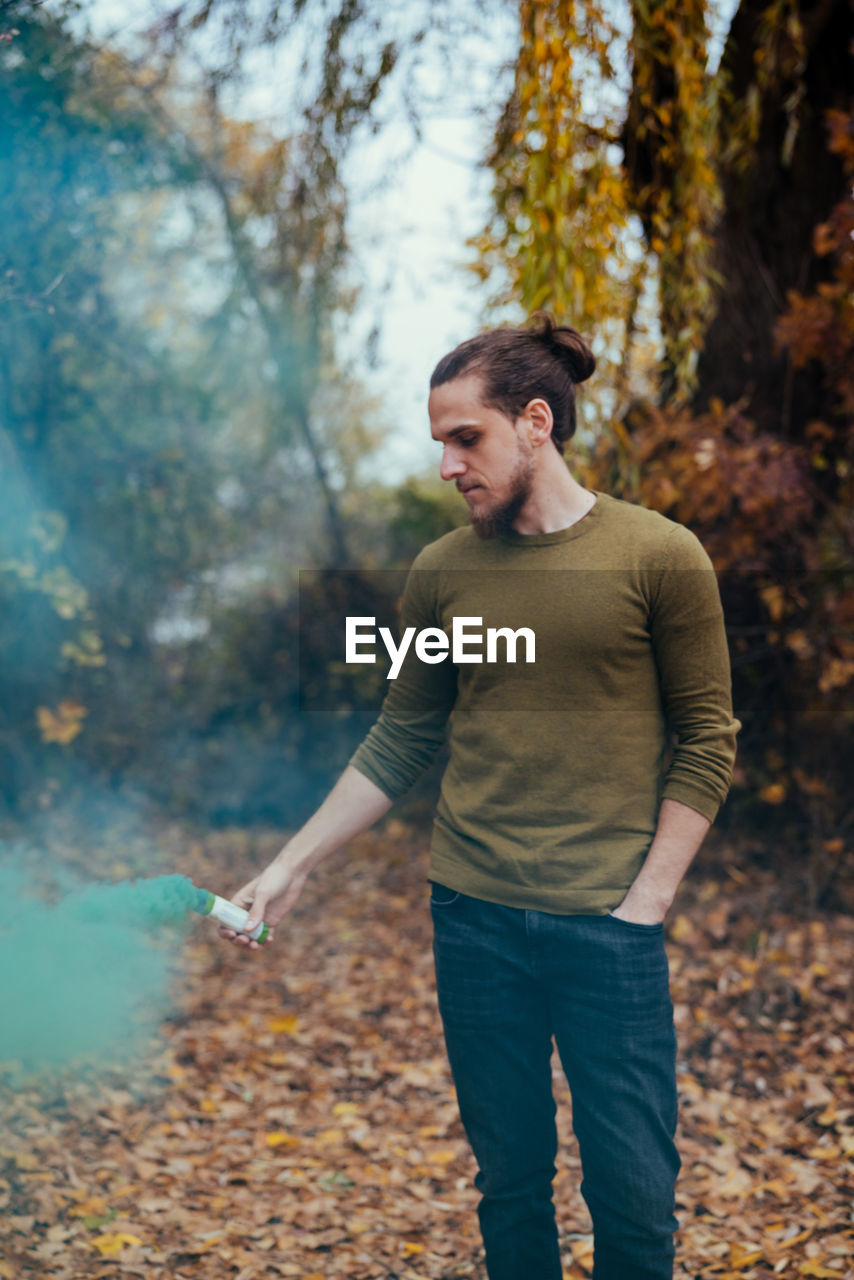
(566, 343)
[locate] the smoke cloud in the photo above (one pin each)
(86, 979)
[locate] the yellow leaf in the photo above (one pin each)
(774, 793)
(112, 1242)
(800, 644)
(777, 1188)
(329, 1137)
(813, 1268)
(93, 1207)
(126, 1189)
(442, 1157)
(282, 1140)
(582, 1252)
(288, 1024)
(410, 1248)
(23, 1159)
(774, 601)
(791, 1241)
(836, 674)
(682, 930)
(741, 1257)
(61, 725)
(345, 1109)
(824, 1153)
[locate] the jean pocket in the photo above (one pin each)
(636, 924)
(441, 895)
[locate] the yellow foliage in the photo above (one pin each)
(85, 651)
(563, 230)
(557, 195)
(63, 724)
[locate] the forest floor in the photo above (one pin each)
(298, 1117)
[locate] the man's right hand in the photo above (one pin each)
(353, 805)
(268, 897)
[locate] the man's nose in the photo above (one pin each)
(452, 464)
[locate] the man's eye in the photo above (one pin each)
(467, 440)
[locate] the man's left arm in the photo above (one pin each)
(691, 654)
(678, 835)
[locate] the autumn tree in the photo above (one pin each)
(89, 487)
(692, 219)
(169, 292)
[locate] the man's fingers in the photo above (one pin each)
(256, 913)
(239, 939)
(245, 896)
(261, 946)
(266, 900)
(242, 938)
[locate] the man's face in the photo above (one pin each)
(490, 462)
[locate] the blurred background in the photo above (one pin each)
(235, 237)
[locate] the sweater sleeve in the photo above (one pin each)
(690, 646)
(412, 723)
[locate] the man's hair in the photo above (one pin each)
(543, 361)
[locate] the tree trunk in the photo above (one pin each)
(774, 196)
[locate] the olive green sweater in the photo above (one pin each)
(557, 768)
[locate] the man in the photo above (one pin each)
(563, 828)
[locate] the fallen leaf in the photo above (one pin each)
(287, 1024)
(112, 1243)
(281, 1140)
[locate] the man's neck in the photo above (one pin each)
(556, 502)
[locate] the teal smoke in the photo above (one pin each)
(87, 979)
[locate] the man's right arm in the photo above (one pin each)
(400, 746)
(353, 805)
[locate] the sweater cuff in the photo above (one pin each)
(363, 762)
(693, 797)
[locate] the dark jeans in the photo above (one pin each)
(510, 979)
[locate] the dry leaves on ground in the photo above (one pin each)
(300, 1120)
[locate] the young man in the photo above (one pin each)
(564, 826)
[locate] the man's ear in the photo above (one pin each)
(539, 422)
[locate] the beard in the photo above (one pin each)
(500, 519)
